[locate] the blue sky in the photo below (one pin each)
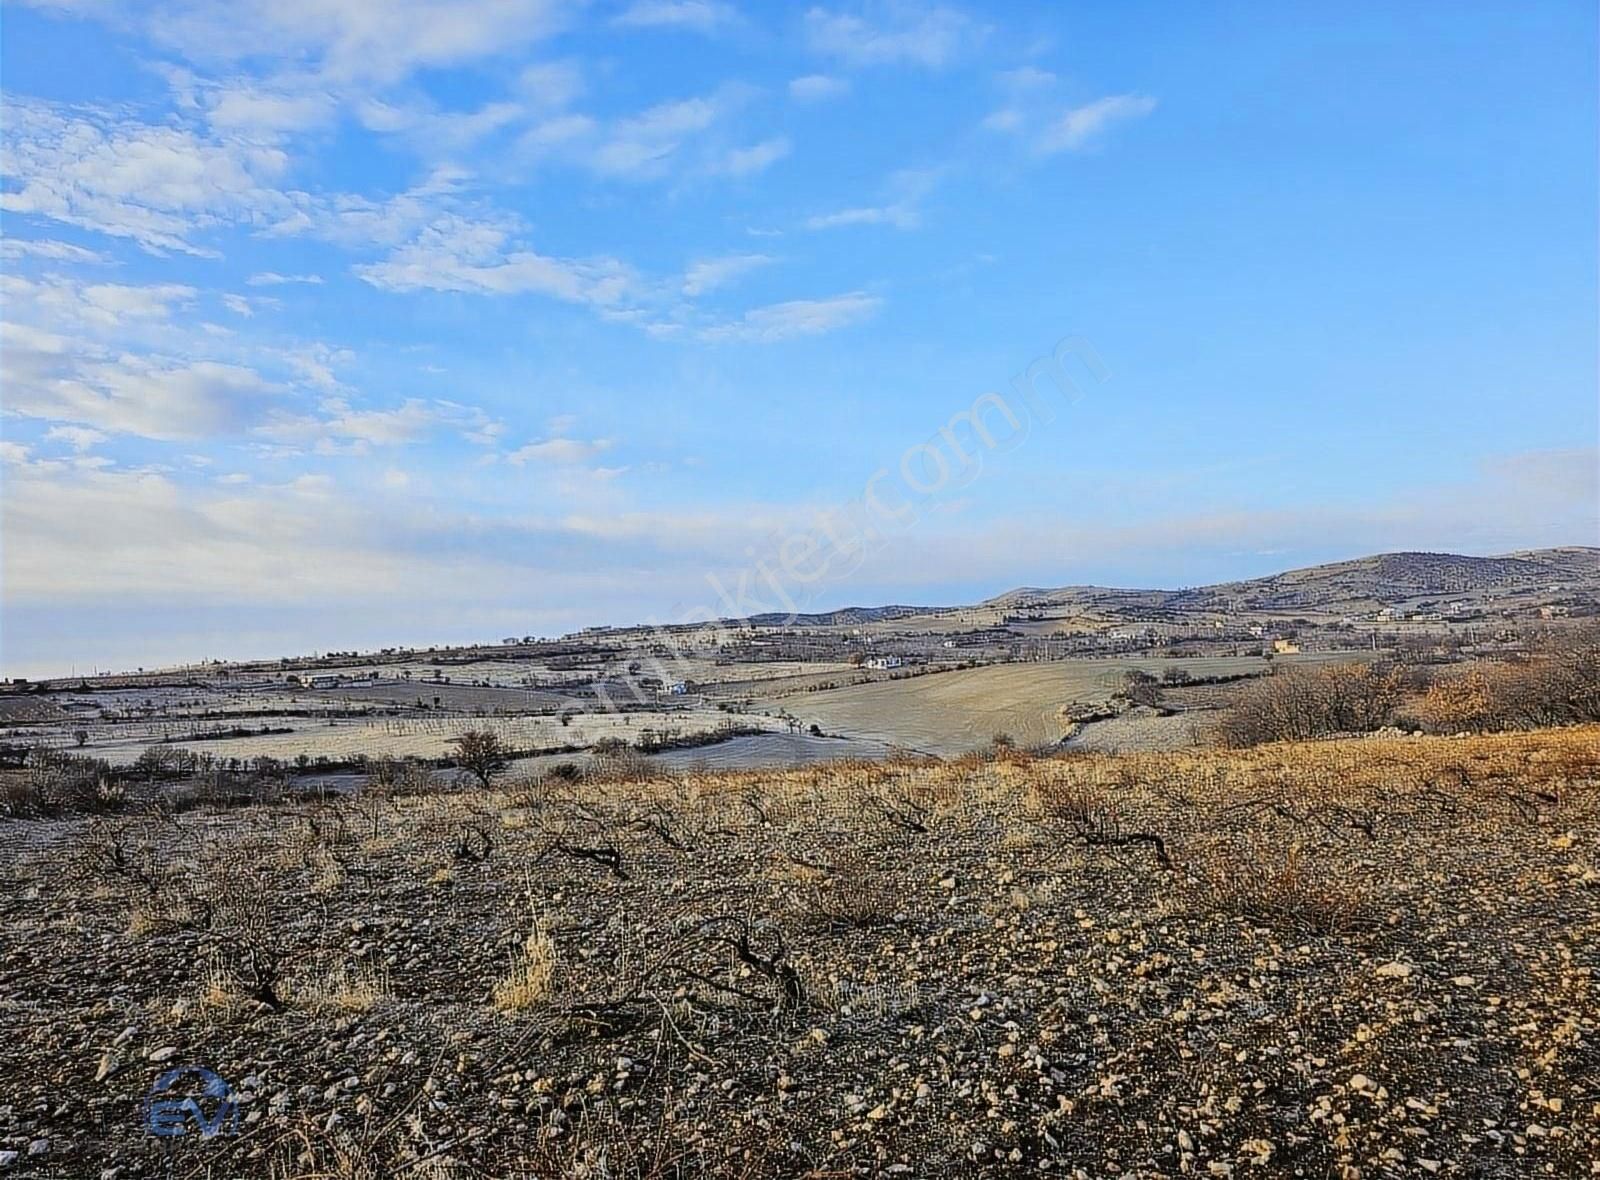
(337, 323)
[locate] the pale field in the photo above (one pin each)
(950, 712)
(428, 737)
(770, 750)
(536, 674)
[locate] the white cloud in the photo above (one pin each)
(457, 254)
(157, 185)
(917, 34)
(269, 278)
(551, 85)
(899, 215)
(340, 428)
(797, 317)
(437, 132)
(13, 249)
(683, 137)
(110, 303)
(710, 273)
(643, 145)
(146, 396)
(908, 186)
(817, 87)
(556, 132)
(409, 422)
(562, 451)
(1026, 78)
(1082, 125)
(314, 365)
(756, 158)
(702, 16)
(355, 40)
(79, 438)
(117, 358)
(238, 304)
(68, 305)
(243, 106)
(1005, 119)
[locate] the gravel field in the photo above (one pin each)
(1366, 958)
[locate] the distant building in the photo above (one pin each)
(1285, 647)
(323, 682)
(678, 688)
(884, 662)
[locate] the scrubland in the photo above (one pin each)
(1356, 958)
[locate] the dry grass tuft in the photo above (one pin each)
(529, 982)
(349, 987)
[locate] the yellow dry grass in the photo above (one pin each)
(528, 982)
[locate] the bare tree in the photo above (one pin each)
(481, 752)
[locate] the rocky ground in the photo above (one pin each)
(1369, 958)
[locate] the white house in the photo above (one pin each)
(884, 662)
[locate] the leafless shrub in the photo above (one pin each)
(473, 844)
(54, 782)
(849, 894)
(1278, 887)
(614, 761)
(606, 856)
(898, 807)
(1308, 702)
(481, 753)
(1084, 815)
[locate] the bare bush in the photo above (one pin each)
(1088, 818)
(1556, 684)
(1297, 703)
(480, 752)
(1278, 887)
(615, 761)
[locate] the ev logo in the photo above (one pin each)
(181, 1096)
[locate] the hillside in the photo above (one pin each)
(1364, 581)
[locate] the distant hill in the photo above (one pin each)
(846, 616)
(1379, 579)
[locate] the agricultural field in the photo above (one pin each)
(952, 712)
(340, 740)
(1368, 957)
